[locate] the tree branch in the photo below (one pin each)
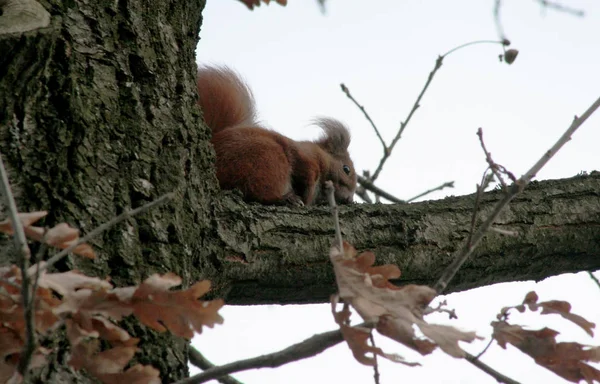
(305, 349)
(489, 370)
(197, 359)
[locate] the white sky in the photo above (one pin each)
(294, 59)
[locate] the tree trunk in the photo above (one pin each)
(97, 115)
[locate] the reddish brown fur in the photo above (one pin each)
(265, 165)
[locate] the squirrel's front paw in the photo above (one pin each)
(292, 199)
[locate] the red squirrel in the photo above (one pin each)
(267, 166)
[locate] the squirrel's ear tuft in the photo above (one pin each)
(336, 138)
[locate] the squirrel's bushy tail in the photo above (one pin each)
(225, 100)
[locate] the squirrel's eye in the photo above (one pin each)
(346, 169)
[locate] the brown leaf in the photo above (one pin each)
(562, 308)
(568, 360)
(357, 339)
(55, 234)
(86, 355)
(108, 365)
(66, 283)
(81, 326)
(61, 236)
(27, 218)
(178, 311)
(395, 310)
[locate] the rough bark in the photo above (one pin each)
(279, 255)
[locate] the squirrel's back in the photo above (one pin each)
(225, 100)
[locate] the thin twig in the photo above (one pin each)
(502, 42)
(335, 213)
(24, 254)
(416, 105)
(362, 193)
(197, 359)
(561, 8)
(375, 365)
(489, 370)
(364, 111)
(448, 184)
(367, 184)
(305, 349)
(497, 169)
(123, 216)
(594, 278)
(498, 22)
(485, 181)
(485, 349)
(462, 255)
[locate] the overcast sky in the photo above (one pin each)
(294, 59)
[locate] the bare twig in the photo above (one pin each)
(502, 42)
(594, 278)
(485, 181)
(362, 193)
(123, 216)
(347, 92)
(367, 184)
(448, 184)
(416, 105)
(197, 359)
(498, 22)
(485, 349)
(561, 8)
(375, 365)
(24, 255)
(489, 370)
(305, 349)
(335, 213)
(544, 3)
(497, 169)
(462, 255)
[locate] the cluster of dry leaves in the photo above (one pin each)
(394, 311)
(89, 308)
(566, 359)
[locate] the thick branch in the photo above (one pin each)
(279, 254)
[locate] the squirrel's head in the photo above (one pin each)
(335, 141)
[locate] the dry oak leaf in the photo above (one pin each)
(567, 360)
(11, 308)
(394, 309)
(60, 236)
(81, 327)
(178, 311)
(357, 338)
(108, 365)
(256, 3)
(562, 308)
